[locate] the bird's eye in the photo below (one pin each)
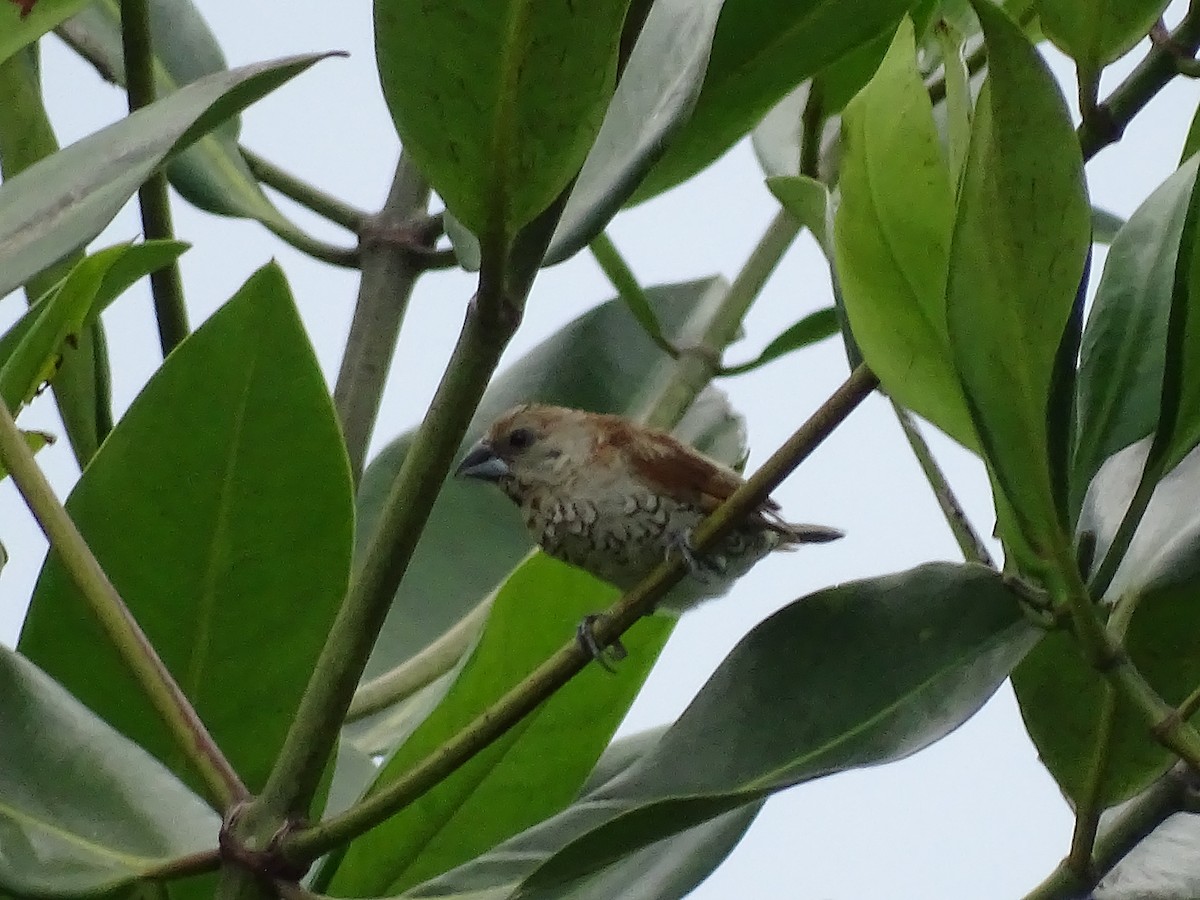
(520, 438)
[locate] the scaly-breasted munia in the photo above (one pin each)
(615, 498)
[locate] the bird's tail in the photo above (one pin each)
(799, 533)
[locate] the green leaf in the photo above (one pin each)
(35, 441)
(1105, 225)
(532, 771)
(230, 516)
(808, 201)
(82, 810)
(855, 675)
(1097, 32)
(958, 106)
(892, 238)
(1191, 143)
(664, 870)
(1121, 359)
(761, 51)
(1178, 428)
(59, 204)
(499, 138)
(656, 93)
(600, 361)
(211, 174)
(34, 348)
(1021, 238)
(18, 29)
(814, 327)
(82, 387)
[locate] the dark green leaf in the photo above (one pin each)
(1121, 361)
(531, 772)
(854, 675)
(82, 810)
(892, 236)
(812, 328)
(59, 204)
(501, 137)
(32, 350)
(1178, 428)
(601, 361)
(657, 91)
(1097, 32)
(761, 51)
(18, 29)
(1060, 694)
(227, 531)
(667, 869)
(1020, 240)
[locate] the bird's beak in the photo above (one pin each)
(482, 462)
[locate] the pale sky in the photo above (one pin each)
(973, 816)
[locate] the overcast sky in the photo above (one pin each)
(975, 815)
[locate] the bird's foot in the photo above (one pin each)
(705, 568)
(606, 656)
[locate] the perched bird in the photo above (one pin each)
(615, 498)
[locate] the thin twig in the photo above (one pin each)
(701, 360)
(223, 784)
(1091, 804)
(621, 277)
(166, 286)
(969, 542)
(307, 195)
(1185, 63)
(308, 843)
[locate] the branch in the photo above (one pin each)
(1139, 87)
(1090, 806)
(492, 318)
(1122, 829)
(1106, 655)
(191, 737)
(972, 546)
(389, 273)
(696, 364)
(621, 277)
(309, 843)
(166, 286)
(300, 191)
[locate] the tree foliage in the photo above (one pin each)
(430, 727)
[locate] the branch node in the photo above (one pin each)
(268, 863)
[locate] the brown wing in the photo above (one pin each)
(676, 470)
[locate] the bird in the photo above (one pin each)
(615, 498)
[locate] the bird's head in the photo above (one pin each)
(530, 447)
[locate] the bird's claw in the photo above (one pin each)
(702, 567)
(606, 656)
